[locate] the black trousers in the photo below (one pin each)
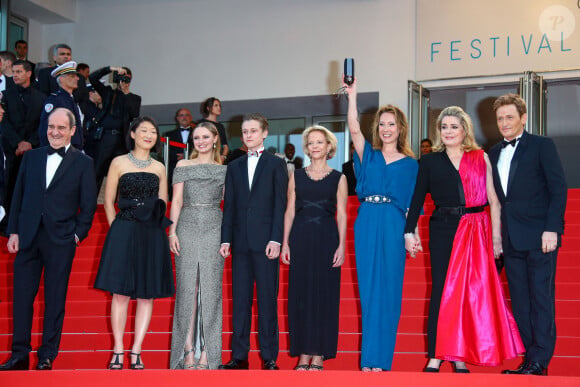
(531, 279)
(111, 145)
(56, 260)
(442, 229)
(247, 269)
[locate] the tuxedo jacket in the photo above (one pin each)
(21, 122)
(175, 135)
(252, 218)
(66, 207)
(536, 192)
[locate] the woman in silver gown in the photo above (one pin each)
(194, 238)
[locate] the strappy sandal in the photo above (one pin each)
(301, 367)
(192, 366)
(138, 365)
(315, 367)
(117, 364)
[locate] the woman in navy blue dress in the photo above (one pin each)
(385, 172)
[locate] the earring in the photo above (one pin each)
(214, 145)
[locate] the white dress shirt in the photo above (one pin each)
(52, 163)
(504, 162)
(185, 132)
(252, 164)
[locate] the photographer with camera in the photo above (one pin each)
(110, 126)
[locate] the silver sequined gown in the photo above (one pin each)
(198, 230)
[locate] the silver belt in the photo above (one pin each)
(377, 199)
(200, 205)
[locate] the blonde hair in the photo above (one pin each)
(402, 124)
(330, 139)
(469, 142)
(216, 151)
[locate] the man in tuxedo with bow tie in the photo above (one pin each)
(182, 134)
(530, 184)
(252, 227)
(53, 206)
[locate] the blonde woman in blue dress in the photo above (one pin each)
(194, 238)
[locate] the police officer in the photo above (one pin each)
(67, 79)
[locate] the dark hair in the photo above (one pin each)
(82, 66)
(133, 128)
(20, 42)
(257, 117)
(129, 73)
(206, 106)
(60, 45)
(427, 140)
(8, 55)
(24, 63)
(511, 99)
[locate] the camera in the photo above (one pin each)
(121, 78)
(349, 71)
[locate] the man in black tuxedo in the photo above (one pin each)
(52, 210)
(252, 226)
(530, 184)
(181, 134)
(23, 105)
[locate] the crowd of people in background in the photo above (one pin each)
(64, 130)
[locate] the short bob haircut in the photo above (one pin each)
(215, 153)
(330, 139)
(469, 142)
(135, 124)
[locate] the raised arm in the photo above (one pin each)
(353, 124)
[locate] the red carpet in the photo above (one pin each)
(87, 340)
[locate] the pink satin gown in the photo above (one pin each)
(475, 324)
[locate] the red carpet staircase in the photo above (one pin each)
(87, 339)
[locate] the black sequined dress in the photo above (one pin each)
(136, 261)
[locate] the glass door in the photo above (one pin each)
(534, 91)
(419, 100)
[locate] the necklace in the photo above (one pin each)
(138, 162)
(325, 173)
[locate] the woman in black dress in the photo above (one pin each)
(313, 246)
(135, 262)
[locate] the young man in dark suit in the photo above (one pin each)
(52, 210)
(252, 228)
(530, 184)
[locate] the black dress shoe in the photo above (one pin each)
(534, 368)
(459, 370)
(270, 365)
(518, 370)
(44, 365)
(235, 364)
(433, 369)
(15, 364)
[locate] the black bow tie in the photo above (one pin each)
(188, 130)
(505, 143)
(61, 151)
(290, 162)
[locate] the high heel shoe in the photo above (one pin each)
(138, 364)
(459, 370)
(432, 369)
(117, 364)
(191, 366)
